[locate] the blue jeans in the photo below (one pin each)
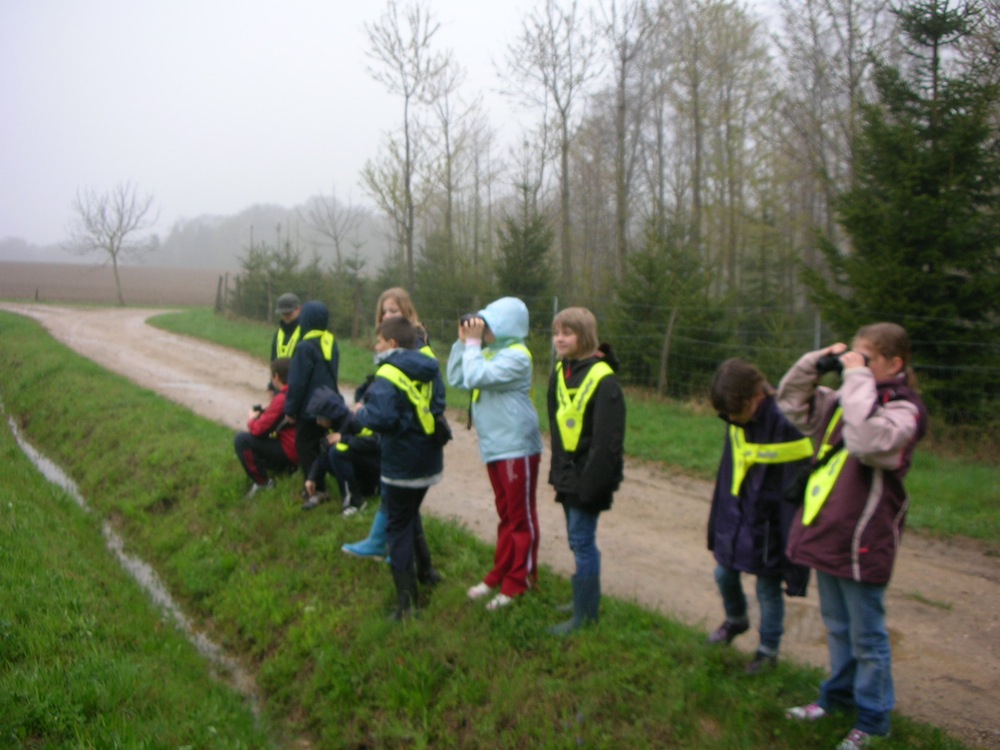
(770, 598)
(581, 528)
(860, 656)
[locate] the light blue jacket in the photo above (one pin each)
(504, 415)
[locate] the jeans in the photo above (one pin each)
(860, 655)
(405, 529)
(581, 528)
(770, 598)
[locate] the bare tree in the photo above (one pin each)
(404, 63)
(551, 62)
(335, 221)
(113, 224)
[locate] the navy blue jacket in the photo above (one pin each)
(310, 369)
(410, 457)
(748, 532)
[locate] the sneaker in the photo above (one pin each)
(808, 712)
(314, 500)
(499, 602)
(855, 740)
(254, 489)
(761, 662)
(352, 503)
(479, 591)
(727, 631)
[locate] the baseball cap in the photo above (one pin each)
(287, 303)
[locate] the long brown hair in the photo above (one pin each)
(891, 340)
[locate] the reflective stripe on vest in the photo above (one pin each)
(285, 349)
(821, 481)
(491, 353)
(364, 432)
(326, 340)
(418, 393)
(745, 454)
(573, 402)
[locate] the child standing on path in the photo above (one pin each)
(288, 334)
(851, 522)
(314, 365)
(491, 360)
(587, 423)
(269, 442)
(402, 405)
(749, 520)
(392, 303)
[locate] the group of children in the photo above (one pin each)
(810, 477)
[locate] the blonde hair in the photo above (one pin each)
(890, 340)
(581, 321)
(402, 298)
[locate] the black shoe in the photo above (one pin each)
(430, 578)
(761, 663)
(727, 631)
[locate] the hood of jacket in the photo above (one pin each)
(326, 402)
(314, 317)
(414, 365)
(507, 317)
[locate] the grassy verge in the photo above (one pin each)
(949, 496)
(269, 582)
(86, 660)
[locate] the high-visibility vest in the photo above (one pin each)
(821, 481)
(491, 353)
(418, 393)
(572, 402)
(285, 349)
(326, 340)
(363, 432)
(745, 454)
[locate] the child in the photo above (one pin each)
(749, 520)
(851, 521)
(392, 303)
(402, 405)
(314, 364)
(350, 459)
(510, 441)
(288, 334)
(587, 423)
(269, 443)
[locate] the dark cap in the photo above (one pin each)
(287, 303)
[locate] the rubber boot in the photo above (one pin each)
(586, 605)
(406, 594)
(426, 574)
(374, 546)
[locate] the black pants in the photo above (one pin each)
(310, 444)
(259, 455)
(405, 530)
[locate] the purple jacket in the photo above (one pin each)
(857, 533)
(747, 532)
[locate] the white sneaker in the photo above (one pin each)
(499, 602)
(479, 591)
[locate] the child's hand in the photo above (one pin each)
(853, 359)
(333, 438)
(252, 415)
(837, 349)
(310, 487)
(473, 328)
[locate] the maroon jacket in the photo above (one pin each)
(857, 533)
(266, 422)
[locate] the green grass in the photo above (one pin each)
(949, 496)
(270, 583)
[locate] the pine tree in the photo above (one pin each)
(922, 215)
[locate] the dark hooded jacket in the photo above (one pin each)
(310, 367)
(748, 531)
(588, 477)
(410, 457)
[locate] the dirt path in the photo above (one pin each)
(944, 602)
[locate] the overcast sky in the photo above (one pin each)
(209, 105)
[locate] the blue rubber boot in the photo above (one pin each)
(375, 545)
(586, 605)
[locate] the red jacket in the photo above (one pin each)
(266, 422)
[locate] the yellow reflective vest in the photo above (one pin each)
(821, 481)
(418, 393)
(745, 454)
(283, 348)
(572, 402)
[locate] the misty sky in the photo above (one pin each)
(209, 105)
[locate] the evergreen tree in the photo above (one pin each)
(922, 214)
(523, 265)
